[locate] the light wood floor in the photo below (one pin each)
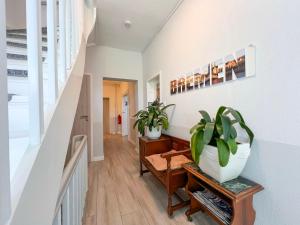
(119, 196)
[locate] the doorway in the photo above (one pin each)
(122, 96)
(106, 129)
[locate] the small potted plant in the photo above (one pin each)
(154, 118)
(215, 145)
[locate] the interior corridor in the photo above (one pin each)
(119, 196)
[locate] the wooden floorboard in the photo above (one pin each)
(119, 196)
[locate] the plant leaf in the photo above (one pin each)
(196, 127)
(141, 127)
(205, 116)
(167, 106)
(233, 133)
(224, 152)
(150, 118)
(242, 119)
(226, 125)
(155, 122)
(135, 123)
(208, 132)
(249, 132)
(219, 129)
(165, 123)
(219, 113)
(193, 145)
(232, 145)
(138, 113)
(199, 146)
(235, 114)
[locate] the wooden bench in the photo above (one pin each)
(171, 179)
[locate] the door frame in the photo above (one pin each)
(148, 87)
(88, 82)
(90, 112)
(97, 108)
(127, 114)
(105, 98)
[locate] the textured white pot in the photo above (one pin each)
(155, 133)
(209, 162)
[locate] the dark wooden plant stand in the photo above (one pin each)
(238, 193)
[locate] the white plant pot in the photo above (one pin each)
(155, 133)
(209, 162)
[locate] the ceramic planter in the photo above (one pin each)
(155, 133)
(209, 162)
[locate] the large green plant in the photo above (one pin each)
(153, 116)
(219, 132)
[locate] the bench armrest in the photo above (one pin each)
(169, 155)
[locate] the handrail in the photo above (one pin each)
(71, 166)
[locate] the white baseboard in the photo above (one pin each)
(98, 158)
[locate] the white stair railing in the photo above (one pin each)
(74, 185)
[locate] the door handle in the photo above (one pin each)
(84, 117)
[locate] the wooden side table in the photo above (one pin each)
(238, 193)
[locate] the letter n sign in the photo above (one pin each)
(173, 86)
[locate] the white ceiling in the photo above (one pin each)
(147, 17)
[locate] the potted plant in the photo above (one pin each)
(154, 118)
(215, 145)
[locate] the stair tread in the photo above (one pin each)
(44, 30)
(21, 45)
(19, 57)
(22, 41)
(22, 37)
(20, 51)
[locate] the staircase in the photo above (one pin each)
(17, 62)
(18, 87)
(39, 157)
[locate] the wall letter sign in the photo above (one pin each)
(234, 66)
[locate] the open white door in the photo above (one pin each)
(125, 115)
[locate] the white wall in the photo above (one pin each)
(109, 62)
(203, 31)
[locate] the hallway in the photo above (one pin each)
(119, 196)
